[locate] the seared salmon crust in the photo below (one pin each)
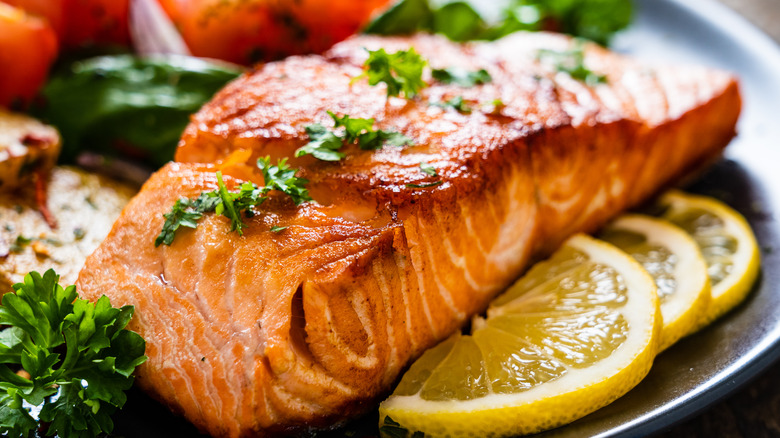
(282, 332)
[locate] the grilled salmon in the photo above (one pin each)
(281, 332)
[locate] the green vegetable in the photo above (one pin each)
(456, 102)
(428, 169)
(129, 105)
(572, 62)
(400, 71)
(187, 212)
(462, 77)
(77, 393)
(277, 229)
(597, 20)
(424, 185)
(325, 145)
(282, 178)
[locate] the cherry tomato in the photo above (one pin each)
(246, 31)
(28, 46)
(100, 22)
(52, 10)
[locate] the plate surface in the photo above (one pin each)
(705, 367)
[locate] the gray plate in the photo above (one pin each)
(703, 368)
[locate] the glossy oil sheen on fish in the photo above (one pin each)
(270, 333)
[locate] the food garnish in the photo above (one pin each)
(481, 384)
(428, 169)
(572, 62)
(424, 185)
(462, 77)
(596, 20)
(523, 371)
(71, 358)
(401, 71)
(139, 106)
(325, 144)
(457, 103)
(187, 212)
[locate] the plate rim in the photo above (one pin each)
(765, 353)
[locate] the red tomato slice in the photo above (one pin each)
(246, 31)
(100, 22)
(51, 10)
(28, 46)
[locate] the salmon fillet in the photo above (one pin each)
(271, 333)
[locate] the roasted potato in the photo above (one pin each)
(84, 205)
(26, 146)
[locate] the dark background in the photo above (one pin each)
(753, 411)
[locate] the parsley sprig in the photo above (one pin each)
(460, 76)
(325, 145)
(429, 170)
(401, 71)
(572, 62)
(457, 103)
(234, 205)
(77, 393)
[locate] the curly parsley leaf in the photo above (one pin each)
(572, 62)
(78, 392)
(401, 71)
(460, 76)
(234, 205)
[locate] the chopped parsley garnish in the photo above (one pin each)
(428, 169)
(456, 103)
(325, 145)
(572, 62)
(424, 185)
(277, 229)
(401, 71)
(282, 178)
(462, 77)
(70, 357)
(234, 205)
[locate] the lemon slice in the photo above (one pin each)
(674, 261)
(575, 333)
(727, 244)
